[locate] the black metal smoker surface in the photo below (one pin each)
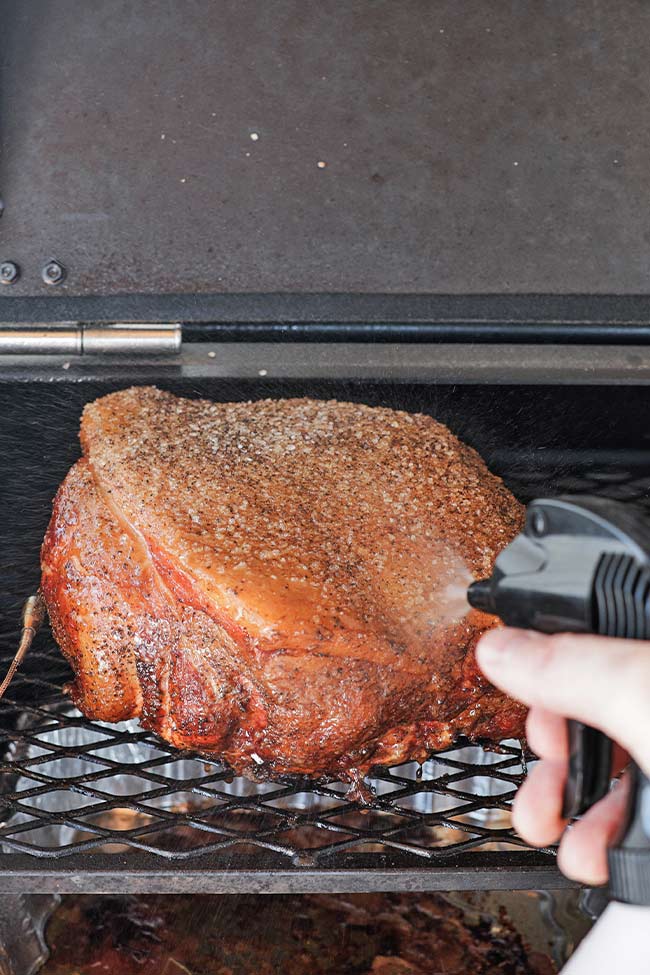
(422, 176)
(90, 807)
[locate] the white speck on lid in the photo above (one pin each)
(262, 372)
(515, 164)
(212, 355)
(255, 136)
(162, 135)
(183, 180)
(321, 164)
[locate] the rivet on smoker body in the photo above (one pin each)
(9, 272)
(53, 273)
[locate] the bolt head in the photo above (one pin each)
(9, 272)
(53, 273)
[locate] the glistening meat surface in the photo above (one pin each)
(278, 582)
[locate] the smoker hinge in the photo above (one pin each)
(75, 338)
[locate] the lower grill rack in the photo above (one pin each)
(96, 807)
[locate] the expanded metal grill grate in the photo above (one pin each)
(72, 786)
(90, 806)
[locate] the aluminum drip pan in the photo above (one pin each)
(550, 923)
(23, 917)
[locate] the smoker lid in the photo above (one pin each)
(221, 148)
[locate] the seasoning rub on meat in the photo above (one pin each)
(277, 582)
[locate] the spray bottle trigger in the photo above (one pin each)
(590, 768)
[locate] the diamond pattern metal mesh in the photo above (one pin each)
(76, 793)
(71, 785)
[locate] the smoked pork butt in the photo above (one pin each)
(278, 583)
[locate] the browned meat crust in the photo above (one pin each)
(278, 582)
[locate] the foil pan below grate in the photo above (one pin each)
(549, 923)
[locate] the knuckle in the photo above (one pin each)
(561, 644)
(632, 673)
(639, 687)
(552, 649)
(630, 690)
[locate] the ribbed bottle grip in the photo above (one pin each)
(621, 598)
(629, 876)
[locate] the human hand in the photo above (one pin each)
(598, 680)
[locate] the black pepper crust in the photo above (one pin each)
(286, 578)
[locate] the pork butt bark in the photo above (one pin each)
(278, 583)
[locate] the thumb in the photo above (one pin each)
(597, 680)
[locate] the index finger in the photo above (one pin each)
(597, 680)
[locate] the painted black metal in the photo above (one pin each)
(470, 148)
(134, 873)
(311, 364)
(513, 333)
(500, 207)
(621, 317)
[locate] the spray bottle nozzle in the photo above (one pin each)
(479, 596)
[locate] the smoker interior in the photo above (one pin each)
(87, 806)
